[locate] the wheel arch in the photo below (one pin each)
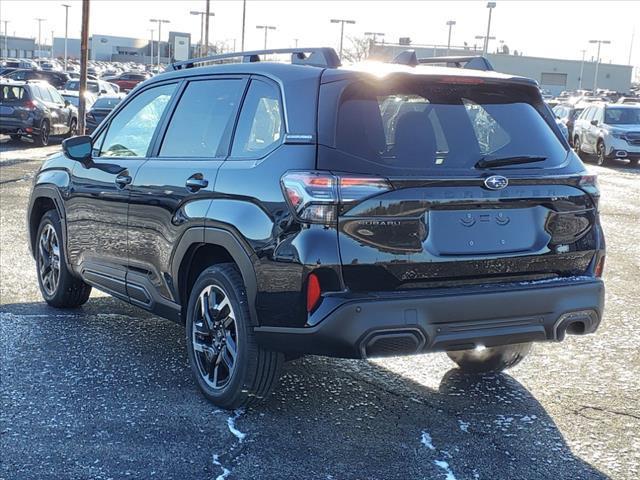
(43, 199)
(198, 249)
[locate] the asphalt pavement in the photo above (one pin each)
(105, 391)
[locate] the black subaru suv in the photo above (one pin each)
(36, 110)
(308, 208)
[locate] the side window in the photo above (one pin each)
(490, 135)
(587, 114)
(260, 126)
(599, 114)
(130, 131)
(202, 121)
(55, 96)
(44, 93)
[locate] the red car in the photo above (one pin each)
(128, 80)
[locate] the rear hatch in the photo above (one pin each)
(15, 104)
(453, 181)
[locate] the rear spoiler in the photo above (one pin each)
(408, 57)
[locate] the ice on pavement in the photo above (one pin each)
(445, 466)
(426, 441)
(225, 471)
(231, 422)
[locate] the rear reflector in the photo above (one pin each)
(313, 292)
(599, 270)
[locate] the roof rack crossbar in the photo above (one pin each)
(317, 57)
(473, 62)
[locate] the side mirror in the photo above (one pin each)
(594, 123)
(67, 103)
(103, 92)
(78, 148)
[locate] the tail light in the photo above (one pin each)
(589, 183)
(30, 105)
(314, 197)
(313, 292)
(599, 270)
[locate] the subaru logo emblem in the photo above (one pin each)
(496, 182)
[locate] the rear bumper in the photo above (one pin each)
(401, 323)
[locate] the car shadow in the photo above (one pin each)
(328, 419)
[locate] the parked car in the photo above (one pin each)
(57, 79)
(128, 80)
(285, 209)
(608, 131)
(6, 70)
(625, 100)
(567, 114)
(36, 110)
(19, 63)
(73, 96)
(99, 87)
(100, 109)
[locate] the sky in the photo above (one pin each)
(559, 29)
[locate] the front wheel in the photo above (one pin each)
(601, 157)
(576, 146)
(73, 129)
(59, 287)
(490, 359)
(231, 369)
(42, 139)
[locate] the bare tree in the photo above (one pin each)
(358, 49)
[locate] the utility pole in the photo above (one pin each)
(581, 70)
(595, 77)
(66, 32)
(633, 34)
(84, 58)
(296, 42)
(206, 28)
(342, 22)
(202, 14)
(266, 29)
(152, 30)
(244, 16)
(40, 20)
(450, 23)
(490, 6)
(160, 21)
(6, 43)
(52, 38)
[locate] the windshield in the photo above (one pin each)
(107, 103)
(75, 85)
(73, 100)
(419, 127)
(622, 116)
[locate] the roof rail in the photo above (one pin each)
(317, 57)
(473, 62)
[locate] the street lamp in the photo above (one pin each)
(152, 31)
(202, 15)
(375, 35)
(266, 29)
(450, 24)
(40, 20)
(342, 22)
(6, 43)
(66, 32)
(595, 77)
(490, 6)
(484, 39)
(160, 21)
(581, 70)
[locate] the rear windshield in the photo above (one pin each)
(75, 85)
(109, 103)
(622, 116)
(413, 126)
(11, 93)
(73, 100)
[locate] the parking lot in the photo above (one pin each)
(105, 391)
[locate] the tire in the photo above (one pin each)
(226, 379)
(601, 156)
(15, 136)
(490, 359)
(73, 129)
(42, 139)
(59, 287)
(576, 146)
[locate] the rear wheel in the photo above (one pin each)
(576, 146)
(42, 139)
(231, 369)
(491, 359)
(73, 128)
(59, 287)
(15, 136)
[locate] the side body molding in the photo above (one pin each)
(241, 255)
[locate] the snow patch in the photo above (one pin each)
(445, 466)
(225, 471)
(231, 423)
(464, 426)
(426, 441)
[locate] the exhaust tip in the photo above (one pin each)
(576, 323)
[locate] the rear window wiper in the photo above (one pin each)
(487, 162)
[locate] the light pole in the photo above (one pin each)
(244, 16)
(375, 35)
(66, 32)
(342, 22)
(450, 24)
(6, 43)
(266, 29)
(202, 15)
(486, 42)
(52, 37)
(160, 21)
(581, 70)
(490, 6)
(40, 20)
(152, 30)
(595, 77)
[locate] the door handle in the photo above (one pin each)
(196, 182)
(123, 180)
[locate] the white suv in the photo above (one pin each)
(608, 131)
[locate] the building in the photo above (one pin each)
(17, 47)
(553, 74)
